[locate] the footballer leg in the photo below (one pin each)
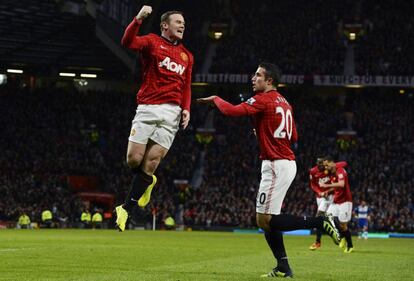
(317, 244)
(277, 273)
(135, 155)
(274, 239)
(346, 242)
(152, 158)
(342, 243)
(121, 217)
(365, 232)
(286, 222)
(330, 228)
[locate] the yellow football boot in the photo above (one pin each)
(146, 197)
(121, 217)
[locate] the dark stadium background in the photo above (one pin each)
(348, 72)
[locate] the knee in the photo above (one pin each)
(263, 221)
(134, 159)
(343, 226)
(151, 165)
(320, 213)
(263, 225)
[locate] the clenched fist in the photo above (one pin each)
(144, 12)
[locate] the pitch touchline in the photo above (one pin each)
(15, 249)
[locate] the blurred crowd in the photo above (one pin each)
(379, 159)
(51, 133)
(46, 137)
(309, 37)
(387, 46)
(301, 36)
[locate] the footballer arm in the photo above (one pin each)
(186, 104)
(336, 185)
(130, 39)
(229, 109)
(327, 192)
(314, 185)
(341, 164)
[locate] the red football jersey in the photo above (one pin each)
(167, 67)
(341, 195)
(317, 177)
(273, 121)
(274, 124)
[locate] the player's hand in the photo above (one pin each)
(185, 118)
(144, 12)
(323, 185)
(207, 100)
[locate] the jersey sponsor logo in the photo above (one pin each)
(251, 101)
(184, 56)
(172, 66)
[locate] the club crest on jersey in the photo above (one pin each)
(184, 56)
(251, 101)
(172, 66)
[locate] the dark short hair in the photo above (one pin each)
(272, 71)
(320, 160)
(166, 16)
(329, 158)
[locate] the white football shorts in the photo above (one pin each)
(342, 211)
(277, 176)
(157, 122)
(324, 202)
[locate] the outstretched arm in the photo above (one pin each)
(227, 108)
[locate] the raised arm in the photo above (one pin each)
(130, 39)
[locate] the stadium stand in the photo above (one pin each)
(304, 42)
(50, 133)
(45, 38)
(37, 158)
(387, 47)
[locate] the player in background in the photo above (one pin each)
(317, 175)
(276, 132)
(342, 203)
(163, 99)
(362, 214)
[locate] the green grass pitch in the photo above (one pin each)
(145, 255)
